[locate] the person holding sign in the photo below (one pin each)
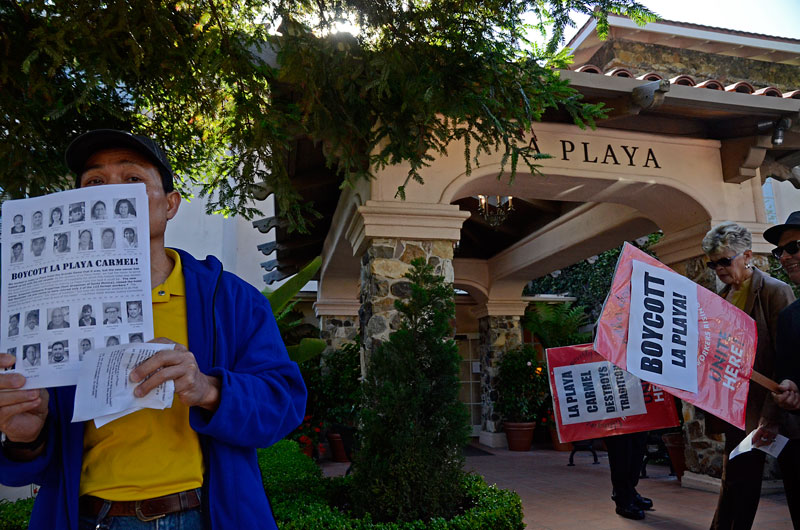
(192, 465)
(786, 238)
(728, 247)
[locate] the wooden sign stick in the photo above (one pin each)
(764, 381)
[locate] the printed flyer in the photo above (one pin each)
(75, 277)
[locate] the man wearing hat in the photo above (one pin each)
(192, 465)
(786, 238)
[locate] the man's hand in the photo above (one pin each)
(766, 433)
(22, 412)
(789, 396)
(194, 388)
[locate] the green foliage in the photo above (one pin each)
(285, 470)
(557, 324)
(776, 271)
(306, 349)
(288, 319)
(204, 78)
(412, 426)
(281, 297)
(302, 500)
(15, 515)
(588, 282)
(340, 385)
(522, 385)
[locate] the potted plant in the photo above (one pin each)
(522, 391)
(307, 435)
(556, 325)
(339, 395)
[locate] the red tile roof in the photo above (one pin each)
(686, 80)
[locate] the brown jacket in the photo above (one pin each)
(767, 297)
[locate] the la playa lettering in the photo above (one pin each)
(570, 393)
(652, 330)
(630, 155)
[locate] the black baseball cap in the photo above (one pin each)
(87, 144)
(773, 234)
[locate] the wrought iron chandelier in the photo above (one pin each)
(495, 208)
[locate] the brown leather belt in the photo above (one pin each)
(145, 510)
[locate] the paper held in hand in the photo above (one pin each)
(105, 392)
(773, 449)
(678, 335)
(75, 277)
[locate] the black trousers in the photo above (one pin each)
(741, 484)
(625, 457)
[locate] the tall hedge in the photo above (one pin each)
(412, 426)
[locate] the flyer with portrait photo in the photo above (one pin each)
(75, 277)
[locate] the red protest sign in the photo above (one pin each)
(726, 341)
(592, 398)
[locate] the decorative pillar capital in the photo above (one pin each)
(404, 220)
(499, 308)
(336, 306)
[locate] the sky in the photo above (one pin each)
(779, 18)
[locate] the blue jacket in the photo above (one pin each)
(234, 337)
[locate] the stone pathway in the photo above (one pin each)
(555, 496)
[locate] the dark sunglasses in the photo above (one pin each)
(721, 262)
(791, 247)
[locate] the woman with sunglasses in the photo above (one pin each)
(728, 247)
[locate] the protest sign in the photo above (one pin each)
(725, 344)
(75, 277)
(592, 398)
(662, 346)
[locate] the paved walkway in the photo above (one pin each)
(555, 496)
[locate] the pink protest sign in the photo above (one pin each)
(725, 338)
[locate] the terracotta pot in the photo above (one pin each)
(338, 454)
(676, 447)
(519, 435)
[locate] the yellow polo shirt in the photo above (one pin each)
(151, 452)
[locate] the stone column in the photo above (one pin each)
(383, 267)
(500, 330)
(337, 330)
(338, 321)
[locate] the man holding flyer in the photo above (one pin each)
(192, 465)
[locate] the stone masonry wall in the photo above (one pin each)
(669, 62)
(337, 330)
(383, 267)
(498, 334)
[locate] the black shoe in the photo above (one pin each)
(630, 512)
(643, 503)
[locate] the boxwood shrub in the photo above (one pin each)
(303, 500)
(15, 515)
